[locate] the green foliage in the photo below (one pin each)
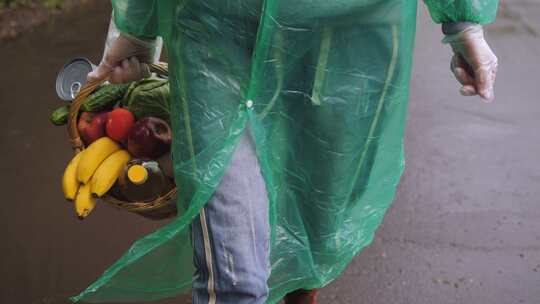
(23, 3)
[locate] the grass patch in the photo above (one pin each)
(25, 3)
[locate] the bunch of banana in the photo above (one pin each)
(93, 171)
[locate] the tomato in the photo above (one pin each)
(119, 124)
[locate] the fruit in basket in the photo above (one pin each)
(91, 126)
(107, 173)
(151, 137)
(70, 183)
(119, 124)
(93, 156)
(84, 202)
(84, 122)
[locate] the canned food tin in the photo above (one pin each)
(72, 77)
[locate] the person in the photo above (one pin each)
(288, 121)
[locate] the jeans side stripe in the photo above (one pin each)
(208, 256)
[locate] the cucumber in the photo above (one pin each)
(60, 116)
(104, 98)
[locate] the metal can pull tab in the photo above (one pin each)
(72, 77)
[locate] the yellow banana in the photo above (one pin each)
(84, 202)
(107, 173)
(70, 183)
(93, 156)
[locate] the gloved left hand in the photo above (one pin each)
(125, 60)
(474, 65)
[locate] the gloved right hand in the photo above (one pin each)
(125, 60)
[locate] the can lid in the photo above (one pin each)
(72, 77)
(137, 174)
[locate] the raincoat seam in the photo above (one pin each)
(390, 75)
(320, 70)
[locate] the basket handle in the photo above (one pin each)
(73, 133)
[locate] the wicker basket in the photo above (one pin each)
(160, 208)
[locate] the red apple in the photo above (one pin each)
(151, 137)
(91, 126)
(119, 124)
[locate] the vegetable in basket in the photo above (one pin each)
(60, 116)
(149, 97)
(119, 124)
(104, 98)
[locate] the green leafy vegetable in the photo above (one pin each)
(149, 97)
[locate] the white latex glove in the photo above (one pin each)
(125, 60)
(473, 63)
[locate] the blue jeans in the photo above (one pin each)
(231, 235)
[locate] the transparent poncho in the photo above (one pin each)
(322, 87)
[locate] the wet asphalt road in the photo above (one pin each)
(464, 228)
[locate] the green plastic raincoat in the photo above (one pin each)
(322, 87)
